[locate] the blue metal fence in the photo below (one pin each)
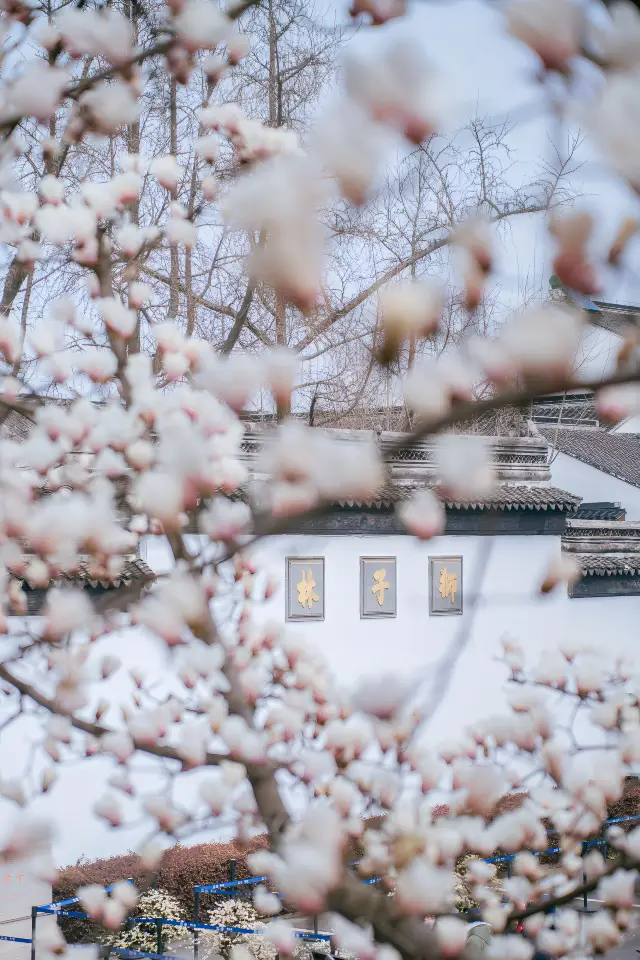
(234, 887)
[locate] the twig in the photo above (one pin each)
(95, 729)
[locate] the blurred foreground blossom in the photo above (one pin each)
(464, 466)
(423, 515)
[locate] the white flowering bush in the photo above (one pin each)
(235, 912)
(154, 903)
(131, 426)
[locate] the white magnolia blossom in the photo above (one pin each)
(410, 309)
(37, 91)
(423, 515)
(399, 89)
(103, 32)
(136, 428)
(618, 41)
(551, 29)
(465, 467)
(167, 171)
(544, 342)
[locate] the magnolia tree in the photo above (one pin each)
(249, 707)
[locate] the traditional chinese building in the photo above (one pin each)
(374, 599)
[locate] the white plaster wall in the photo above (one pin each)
(631, 425)
(572, 475)
(410, 644)
(597, 354)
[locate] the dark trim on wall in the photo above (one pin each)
(617, 585)
(36, 597)
(343, 522)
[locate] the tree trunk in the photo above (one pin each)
(273, 68)
(174, 277)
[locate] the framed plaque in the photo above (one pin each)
(378, 587)
(445, 586)
(305, 588)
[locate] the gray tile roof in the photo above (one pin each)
(600, 511)
(608, 564)
(617, 454)
(501, 498)
(15, 427)
(616, 317)
(132, 570)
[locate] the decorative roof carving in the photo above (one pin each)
(604, 547)
(513, 458)
(132, 570)
(601, 536)
(609, 565)
(503, 497)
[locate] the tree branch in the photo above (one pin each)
(546, 906)
(241, 319)
(394, 272)
(95, 729)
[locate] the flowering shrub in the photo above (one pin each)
(179, 870)
(233, 912)
(152, 903)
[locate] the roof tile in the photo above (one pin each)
(608, 565)
(617, 454)
(85, 576)
(503, 497)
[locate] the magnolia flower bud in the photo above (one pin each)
(281, 935)
(451, 934)
(409, 310)
(167, 171)
(552, 28)
(139, 294)
(423, 515)
(108, 808)
(151, 855)
(108, 666)
(49, 777)
(113, 914)
(627, 229)
(92, 899)
(562, 569)
(210, 188)
(125, 893)
(266, 903)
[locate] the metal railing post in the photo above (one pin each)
(34, 917)
(196, 907)
(159, 935)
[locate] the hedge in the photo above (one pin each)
(182, 866)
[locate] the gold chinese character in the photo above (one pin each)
(380, 585)
(305, 588)
(448, 584)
